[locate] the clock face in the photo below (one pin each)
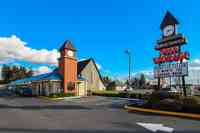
(70, 53)
(169, 30)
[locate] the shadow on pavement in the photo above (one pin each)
(21, 130)
(53, 107)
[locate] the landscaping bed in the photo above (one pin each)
(121, 94)
(61, 94)
(171, 102)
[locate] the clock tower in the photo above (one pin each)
(169, 25)
(68, 66)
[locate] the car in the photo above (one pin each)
(25, 92)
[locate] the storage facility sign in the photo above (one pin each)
(171, 70)
(169, 62)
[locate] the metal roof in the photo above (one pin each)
(30, 79)
(47, 76)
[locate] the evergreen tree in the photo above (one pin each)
(142, 81)
(11, 73)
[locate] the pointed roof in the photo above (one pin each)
(82, 64)
(169, 19)
(67, 45)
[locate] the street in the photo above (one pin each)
(89, 114)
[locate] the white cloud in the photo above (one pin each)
(197, 61)
(195, 64)
(13, 48)
(98, 66)
(147, 73)
(83, 59)
(42, 70)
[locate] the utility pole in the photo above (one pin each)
(128, 52)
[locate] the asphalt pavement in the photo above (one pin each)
(85, 115)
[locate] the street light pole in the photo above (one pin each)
(129, 66)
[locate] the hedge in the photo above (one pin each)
(61, 94)
(120, 94)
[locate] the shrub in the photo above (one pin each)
(111, 86)
(61, 94)
(123, 95)
(69, 94)
(189, 101)
(53, 95)
(120, 94)
(70, 86)
(168, 104)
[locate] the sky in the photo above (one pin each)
(32, 31)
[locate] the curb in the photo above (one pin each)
(53, 99)
(74, 97)
(167, 113)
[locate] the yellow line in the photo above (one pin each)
(185, 115)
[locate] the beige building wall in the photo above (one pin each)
(82, 88)
(93, 80)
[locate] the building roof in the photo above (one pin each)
(29, 79)
(67, 45)
(48, 76)
(169, 19)
(52, 76)
(82, 64)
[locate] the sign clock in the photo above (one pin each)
(169, 30)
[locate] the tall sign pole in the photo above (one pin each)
(170, 62)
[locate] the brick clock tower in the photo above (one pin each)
(68, 66)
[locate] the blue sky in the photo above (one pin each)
(102, 29)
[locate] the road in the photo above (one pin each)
(85, 115)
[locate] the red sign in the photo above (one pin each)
(172, 50)
(171, 58)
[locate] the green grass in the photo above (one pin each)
(61, 94)
(105, 92)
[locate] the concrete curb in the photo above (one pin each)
(52, 99)
(75, 97)
(167, 113)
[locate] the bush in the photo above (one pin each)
(111, 86)
(109, 93)
(61, 94)
(69, 94)
(189, 101)
(53, 95)
(169, 105)
(120, 94)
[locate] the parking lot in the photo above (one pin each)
(89, 114)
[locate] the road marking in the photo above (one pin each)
(155, 127)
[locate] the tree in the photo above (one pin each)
(6, 73)
(11, 73)
(135, 83)
(111, 86)
(142, 81)
(70, 86)
(106, 80)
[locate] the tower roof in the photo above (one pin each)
(169, 19)
(67, 45)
